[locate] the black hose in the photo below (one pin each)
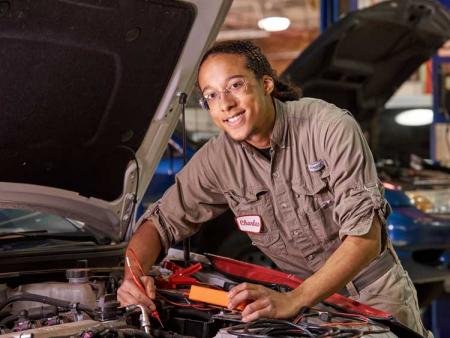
(33, 313)
(135, 333)
(25, 296)
(158, 333)
(8, 319)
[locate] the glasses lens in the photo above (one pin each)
(211, 99)
(237, 87)
(203, 103)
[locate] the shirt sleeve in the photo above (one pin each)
(191, 201)
(353, 177)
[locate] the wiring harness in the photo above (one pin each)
(280, 328)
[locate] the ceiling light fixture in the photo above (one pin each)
(415, 117)
(274, 23)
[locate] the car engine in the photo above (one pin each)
(82, 303)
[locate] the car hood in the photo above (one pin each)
(359, 62)
(89, 98)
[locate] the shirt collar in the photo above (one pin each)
(279, 133)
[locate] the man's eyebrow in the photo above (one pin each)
(226, 80)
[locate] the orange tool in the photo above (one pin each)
(211, 296)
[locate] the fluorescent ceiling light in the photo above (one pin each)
(415, 117)
(274, 23)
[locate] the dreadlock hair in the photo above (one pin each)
(258, 64)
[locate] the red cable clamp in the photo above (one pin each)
(181, 276)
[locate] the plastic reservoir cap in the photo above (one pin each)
(77, 275)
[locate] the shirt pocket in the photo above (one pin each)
(270, 243)
(251, 201)
(258, 201)
(315, 206)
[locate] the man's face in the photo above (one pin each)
(239, 103)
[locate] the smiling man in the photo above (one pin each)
(302, 183)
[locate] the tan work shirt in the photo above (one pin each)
(319, 186)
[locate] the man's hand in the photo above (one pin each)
(146, 246)
(262, 302)
(129, 293)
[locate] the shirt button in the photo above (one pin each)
(296, 232)
(275, 175)
(310, 257)
(283, 205)
(298, 195)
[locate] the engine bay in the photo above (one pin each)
(82, 302)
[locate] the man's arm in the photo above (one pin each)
(146, 244)
(355, 253)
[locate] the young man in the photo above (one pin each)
(301, 182)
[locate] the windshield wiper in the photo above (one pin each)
(27, 233)
(44, 234)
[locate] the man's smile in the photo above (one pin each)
(235, 119)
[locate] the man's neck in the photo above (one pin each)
(262, 139)
(260, 143)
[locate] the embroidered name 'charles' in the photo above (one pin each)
(249, 223)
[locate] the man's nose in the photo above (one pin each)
(226, 101)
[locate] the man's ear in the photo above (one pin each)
(268, 84)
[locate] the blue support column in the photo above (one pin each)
(437, 97)
(353, 5)
(335, 12)
(445, 2)
(330, 12)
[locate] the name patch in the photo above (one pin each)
(249, 223)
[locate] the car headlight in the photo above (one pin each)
(421, 202)
(431, 201)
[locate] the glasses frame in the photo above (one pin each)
(203, 101)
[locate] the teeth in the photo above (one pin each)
(234, 118)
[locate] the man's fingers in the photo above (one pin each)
(129, 293)
(243, 297)
(243, 293)
(238, 288)
(257, 309)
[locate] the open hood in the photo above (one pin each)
(88, 91)
(360, 61)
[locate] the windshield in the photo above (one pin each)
(25, 230)
(16, 220)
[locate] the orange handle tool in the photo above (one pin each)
(211, 296)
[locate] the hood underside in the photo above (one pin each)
(80, 81)
(360, 62)
(87, 94)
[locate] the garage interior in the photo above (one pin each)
(100, 126)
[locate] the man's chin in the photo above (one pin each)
(238, 137)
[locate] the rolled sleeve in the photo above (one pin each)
(190, 202)
(154, 215)
(353, 177)
(357, 208)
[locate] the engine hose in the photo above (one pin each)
(8, 319)
(157, 333)
(25, 296)
(135, 333)
(33, 314)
